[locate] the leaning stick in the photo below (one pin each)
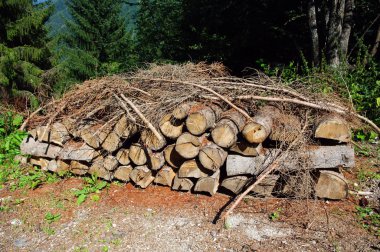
(143, 118)
(311, 105)
(125, 108)
(266, 172)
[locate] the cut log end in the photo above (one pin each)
(334, 128)
(255, 132)
(187, 146)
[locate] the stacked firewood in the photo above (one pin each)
(199, 147)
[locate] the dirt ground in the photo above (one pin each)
(158, 219)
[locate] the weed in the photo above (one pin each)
(105, 249)
(48, 230)
(275, 215)
(369, 219)
(50, 218)
(93, 185)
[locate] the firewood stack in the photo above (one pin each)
(200, 147)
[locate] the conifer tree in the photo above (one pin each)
(23, 48)
(97, 42)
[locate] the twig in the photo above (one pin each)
(125, 108)
(34, 113)
(143, 118)
(311, 105)
(275, 164)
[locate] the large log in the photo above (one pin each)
(171, 127)
(165, 176)
(137, 154)
(201, 118)
(151, 141)
(110, 163)
(78, 168)
(123, 156)
(331, 185)
(333, 127)
(313, 157)
(123, 172)
(56, 133)
(208, 184)
(112, 142)
(155, 160)
(182, 184)
(141, 176)
(192, 169)
(225, 133)
(188, 145)
(78, 152)
(29, 146)
(212, 157)
(172, 157)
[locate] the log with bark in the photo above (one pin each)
(202, 118)
(172, 157)
(187, 145)
(123, 172)
(151, 141)
(122, 156)
(155, 160)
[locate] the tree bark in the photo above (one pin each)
(335, 31)
(312, 15)
(347, 24)
(377, 42)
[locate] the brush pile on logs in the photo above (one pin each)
(200, 145)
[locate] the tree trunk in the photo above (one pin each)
(346, 30)
(312, 15)
(335, 31)
(377, 42)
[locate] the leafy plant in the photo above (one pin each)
(93, 185)
(50, 217)
(275, 215)
(369, 219)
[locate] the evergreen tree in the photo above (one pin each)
(97, 42)
(23, 48)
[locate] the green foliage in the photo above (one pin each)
(275, 215)
(50, 218)
(92, 185)
(369, 219)
(23, 48)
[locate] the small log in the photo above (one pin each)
(165, 176)
(137, 154)
(208, 184)
(155, 160)
(112, 142)
(235, 184)
(333, 127)
(212, 157)
(122, 157)
(187, 145)
(141, 176)
(93, 137)
(331, 185)
(182, 111)
(151, 141)
(266, 186)
(200, 119)
(123, 172)
(78, 153)
(182, 184)
(58, 166)
(124, 128)
(56, 134)
(172, 157)
(97, 168)
(33, 133)
(192, 169)
(110, 163)
(78, 168)
(43, 163)
(171, 127)
(29, 146)
(226, 130)
(246, 149)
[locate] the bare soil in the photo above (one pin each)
(158, 219)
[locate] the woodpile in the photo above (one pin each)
(202, 145)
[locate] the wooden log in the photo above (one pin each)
(235, 184)
(56, 133)
(333, 127)
(78, 168)
(40, 161)
(122, 156)
(78, 152)
(266, 186)
(227, 129)
(141, 176)
(155, 160)
(182, 184)
(331, 185)
(110, 163)
(192, 169)
(212, 157)
(165, 176)
(112, 142)
(200, 119)
(58, 166)
(247, 149)
(313, 157)
(94, 137)
(151, 141)
(137, 154)
(208, 184)
(124, 128)
(97, 168)
(182, 111)
(188, 145)
(29, 146)
(33, 133)
(172, 157)
(171, 127)
(123, 172)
